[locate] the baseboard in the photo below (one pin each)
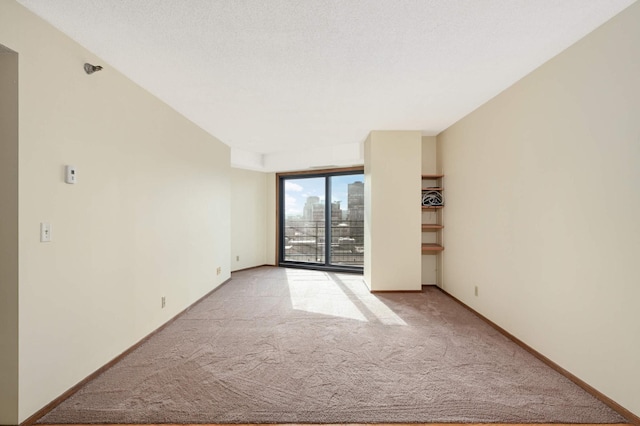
(631, 418)
(252, 267)
(53, 404)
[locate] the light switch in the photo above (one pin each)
(45, 232)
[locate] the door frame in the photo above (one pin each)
(280, 178)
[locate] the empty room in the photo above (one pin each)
(209, 212)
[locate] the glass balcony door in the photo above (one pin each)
(322, 220)
(304, 220)
(347, 220)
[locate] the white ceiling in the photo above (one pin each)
(300, 83)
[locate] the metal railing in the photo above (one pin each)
(305, 241)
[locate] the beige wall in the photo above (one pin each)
(149, 216)
(543, 208)
(393, 164)
(8, 237)
(248, 219)
(429, 155)
(271, 220)
(429, 262)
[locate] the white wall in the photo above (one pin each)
(149, 216)
(346, 155)
(248, 219)
(543, 207)
(393, 162)
(8, 237)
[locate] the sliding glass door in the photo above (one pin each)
(304, 220)
(322, 220)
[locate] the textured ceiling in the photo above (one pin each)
(280, 79)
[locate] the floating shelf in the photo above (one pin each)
(427, 227)
(432, 176)
(431, 248)
(432, 207)
(433, 188)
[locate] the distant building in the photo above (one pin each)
(355, 201)
(314, 210)
(311, 207)
(336, 212)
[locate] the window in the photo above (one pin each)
(322, 220)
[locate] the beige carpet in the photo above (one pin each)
(292, 346)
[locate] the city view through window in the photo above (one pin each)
(310, 235)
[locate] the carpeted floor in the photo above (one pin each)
(293, 346)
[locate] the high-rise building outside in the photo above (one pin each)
(314, 210)
(311, 208)
(355, 201)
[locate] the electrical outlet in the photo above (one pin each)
(218, 270)
(237, 258)
(476, 290)
(45, 232)
(164, 302)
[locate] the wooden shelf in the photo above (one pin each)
(431, 248)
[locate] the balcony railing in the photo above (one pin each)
(304, 241)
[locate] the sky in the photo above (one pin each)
(297, 190)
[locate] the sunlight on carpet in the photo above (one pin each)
(329, 294)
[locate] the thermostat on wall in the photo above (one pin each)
(71, 176)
